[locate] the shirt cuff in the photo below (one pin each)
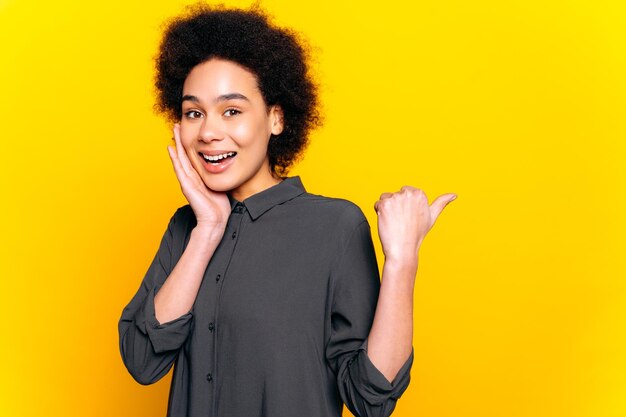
(372, 384)
(163, 336)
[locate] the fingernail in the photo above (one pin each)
(454, 198)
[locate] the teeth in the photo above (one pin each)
(215, 158)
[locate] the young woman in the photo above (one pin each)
(265, 298)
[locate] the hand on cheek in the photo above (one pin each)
(211, 208)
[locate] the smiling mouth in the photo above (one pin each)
(217, 159)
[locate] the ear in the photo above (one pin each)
(276, 120)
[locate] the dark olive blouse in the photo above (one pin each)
(280, 323)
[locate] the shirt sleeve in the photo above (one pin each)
(356, 285)
(149, 348)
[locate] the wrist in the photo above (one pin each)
(209, 233)
(399, 274)
(405, 255)
(402, 262)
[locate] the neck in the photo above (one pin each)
(242, 193)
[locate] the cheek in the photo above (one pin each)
(250, 132)
(243, 131)
(186, 136)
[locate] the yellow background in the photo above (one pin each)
(518, 107)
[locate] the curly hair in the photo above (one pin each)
(279, 58)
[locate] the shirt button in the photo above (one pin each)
(211, 326)
(217, 278)
(234, 234)
(238, 209)
(209, 377)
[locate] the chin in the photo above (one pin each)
(221, 185)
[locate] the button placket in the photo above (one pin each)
(227, 251)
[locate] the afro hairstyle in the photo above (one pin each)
(279, 58)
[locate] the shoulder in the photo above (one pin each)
(182, 220)
(342, 213)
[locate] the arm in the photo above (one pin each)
(372, 375)
(404, 218)
(391, 337)
(149, 348)
(355, 289)
(151, 334)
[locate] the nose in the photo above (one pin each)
(210, 131)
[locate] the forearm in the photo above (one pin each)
(391, 337)
(178, 293)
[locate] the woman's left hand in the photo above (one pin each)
(404, 219)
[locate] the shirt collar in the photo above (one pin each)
(261, 202)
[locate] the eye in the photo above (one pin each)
(193, 114)
(231, 112)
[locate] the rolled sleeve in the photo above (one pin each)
(356, 285)
(164, 336)
(372, 386)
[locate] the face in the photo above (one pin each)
(226, 127)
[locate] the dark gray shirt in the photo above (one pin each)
(280, 323)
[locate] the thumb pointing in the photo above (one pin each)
(440, 203)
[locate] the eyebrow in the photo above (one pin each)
(223, 97)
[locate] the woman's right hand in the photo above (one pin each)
(211, 208)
